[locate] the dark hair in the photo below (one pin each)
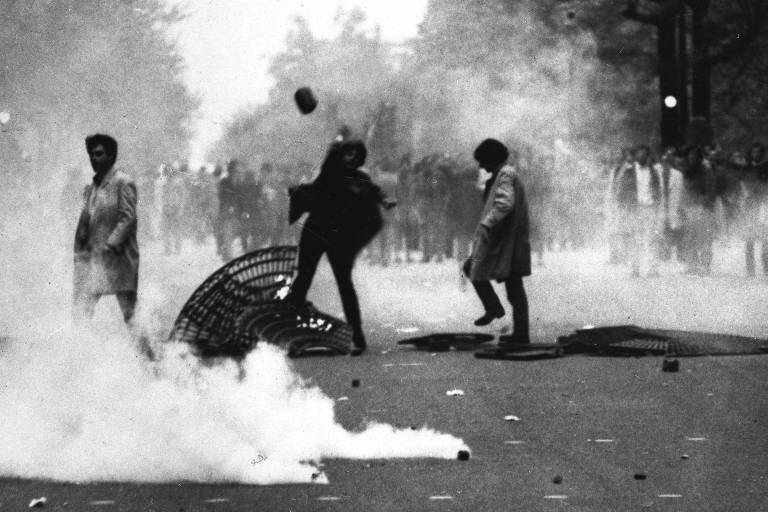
(332, 168)
(491, 151)
(357, 144)
(110, 144)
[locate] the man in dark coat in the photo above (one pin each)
(344, 216)
(106, 250)
(501, 249)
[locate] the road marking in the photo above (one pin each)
(695, 438)
(216, 500)
(407, 330)
(404, 364)
(101, 502)
(670, 495)
(328, 498)
(514, 442)
(603, 440)
(555, 497)
(441, 497)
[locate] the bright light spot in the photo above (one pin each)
(670, 101)
(4, 117)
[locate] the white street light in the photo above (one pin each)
(670, 101)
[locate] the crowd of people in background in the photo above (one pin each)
(659, 209)
(675, 206)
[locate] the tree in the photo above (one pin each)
(721, 33)
(73, 67)
(353, 75)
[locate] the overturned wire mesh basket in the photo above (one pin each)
(242, 303)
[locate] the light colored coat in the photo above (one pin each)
(108, 219)
(501, 246)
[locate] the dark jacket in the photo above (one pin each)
(343, 212)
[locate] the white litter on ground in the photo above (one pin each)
(38, 502)
(511, 417)
(455, 392)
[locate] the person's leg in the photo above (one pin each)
(749, 260)
(342, 263)
(310, 252)
(490, 301)
(519, 301)
(127, 302)
(83, 307)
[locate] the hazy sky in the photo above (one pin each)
(227, 45)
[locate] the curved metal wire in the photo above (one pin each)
(241, 304)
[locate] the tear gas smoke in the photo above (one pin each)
(82, 407)
(82, 404)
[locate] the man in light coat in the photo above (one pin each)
(106, 250)
(501, 248)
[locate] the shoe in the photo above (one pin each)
(358, 340)
(489, 317)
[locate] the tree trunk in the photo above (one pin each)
(682, 63)
(669, 81)
(700, 80)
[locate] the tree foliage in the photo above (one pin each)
(73, 67)
(583, 72)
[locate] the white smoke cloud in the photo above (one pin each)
(80, 406)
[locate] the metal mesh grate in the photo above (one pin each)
(241, 304)
(634, 340)
(299, 330)
(207, 320)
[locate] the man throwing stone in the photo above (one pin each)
(501, 249)
(106, 250)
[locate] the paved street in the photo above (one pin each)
(594, 433)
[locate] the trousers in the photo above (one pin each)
(517, 299)
(342, 260)
(85, 305)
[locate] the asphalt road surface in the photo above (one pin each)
(594, 433)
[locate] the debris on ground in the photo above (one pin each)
(670, 365)
(455, 392)
(38, 502)
(557, 480)
(511, 417)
